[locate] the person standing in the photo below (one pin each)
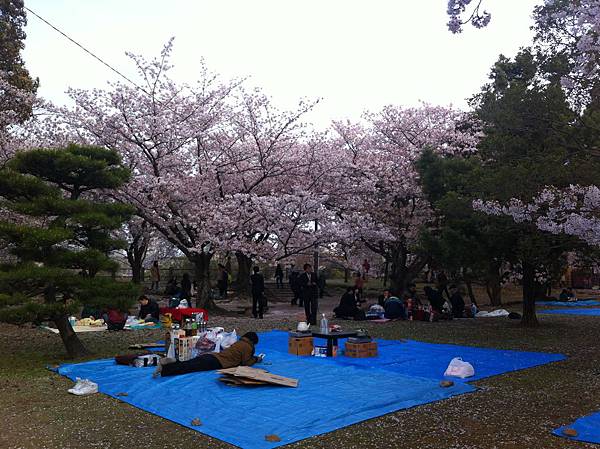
(186, 287)
(295, 287)
(258, 293)
(155, 276)
(279, 276)
(223, 281)
(309, 293)
(359, 284)
(366, 267)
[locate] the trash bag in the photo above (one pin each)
(458, 368)
(227, 339)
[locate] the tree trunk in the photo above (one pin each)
(469, 284)
(136, 254)
(202, 276)
(73, 345)
(530, 292)
(346, 275)
(386, 273)
(243, 278)
(398, 271)
(493, 284)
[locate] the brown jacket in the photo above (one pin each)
(241, 353)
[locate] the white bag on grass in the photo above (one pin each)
(458, 368)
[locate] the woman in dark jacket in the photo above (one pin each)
(240, 353)
(348, 307)
(435, 299)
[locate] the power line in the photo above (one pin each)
(89, 52)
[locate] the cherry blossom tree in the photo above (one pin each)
(461, 13)
(215, 168)
(379, 202)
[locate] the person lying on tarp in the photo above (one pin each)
(240, 353)
(394, 307)
(350, 306)
(149, 310)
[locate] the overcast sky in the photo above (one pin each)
(354, 54)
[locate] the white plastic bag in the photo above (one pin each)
(228, 338)
(458, 368)
(492, 314)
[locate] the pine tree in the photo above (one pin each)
(56, 225)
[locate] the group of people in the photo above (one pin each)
(408, 306)
(567, 294)
(115, 318)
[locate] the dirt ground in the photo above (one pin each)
(515, 410)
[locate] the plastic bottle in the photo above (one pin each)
(474, 309)
(324, 324)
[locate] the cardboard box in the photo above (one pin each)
(185, 348)
(361, 350)
(300, 345)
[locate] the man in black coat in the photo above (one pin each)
(258, 293)
(309, 293)
(149, 310)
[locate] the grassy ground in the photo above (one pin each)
(516, 410)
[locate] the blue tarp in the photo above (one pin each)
(332, 392)
(428, 360)
(328, 397)
(580, 303)
(588, 429)
(588, 312)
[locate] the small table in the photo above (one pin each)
(332, 338)
(179, 314)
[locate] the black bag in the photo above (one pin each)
(514, 316)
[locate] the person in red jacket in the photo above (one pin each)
(115, 319)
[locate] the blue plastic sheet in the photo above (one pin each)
(580, 303)
(332, 392)
(588, 429)
(328, 397)
(586, 312)
(428, 360)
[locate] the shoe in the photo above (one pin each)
(84, 387)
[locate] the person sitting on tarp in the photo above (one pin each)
(394, 306)
(457, 302)
(349, 305)
(149, 310)
(115, 319)
(567, 295)
(435, 299)
(241, 353)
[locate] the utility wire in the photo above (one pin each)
(89, 52)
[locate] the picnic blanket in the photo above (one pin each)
(588, 429)
(327, 398)
(428, 360)
(588, 312)
(77, 329)
(332, 392)
(580, 303)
